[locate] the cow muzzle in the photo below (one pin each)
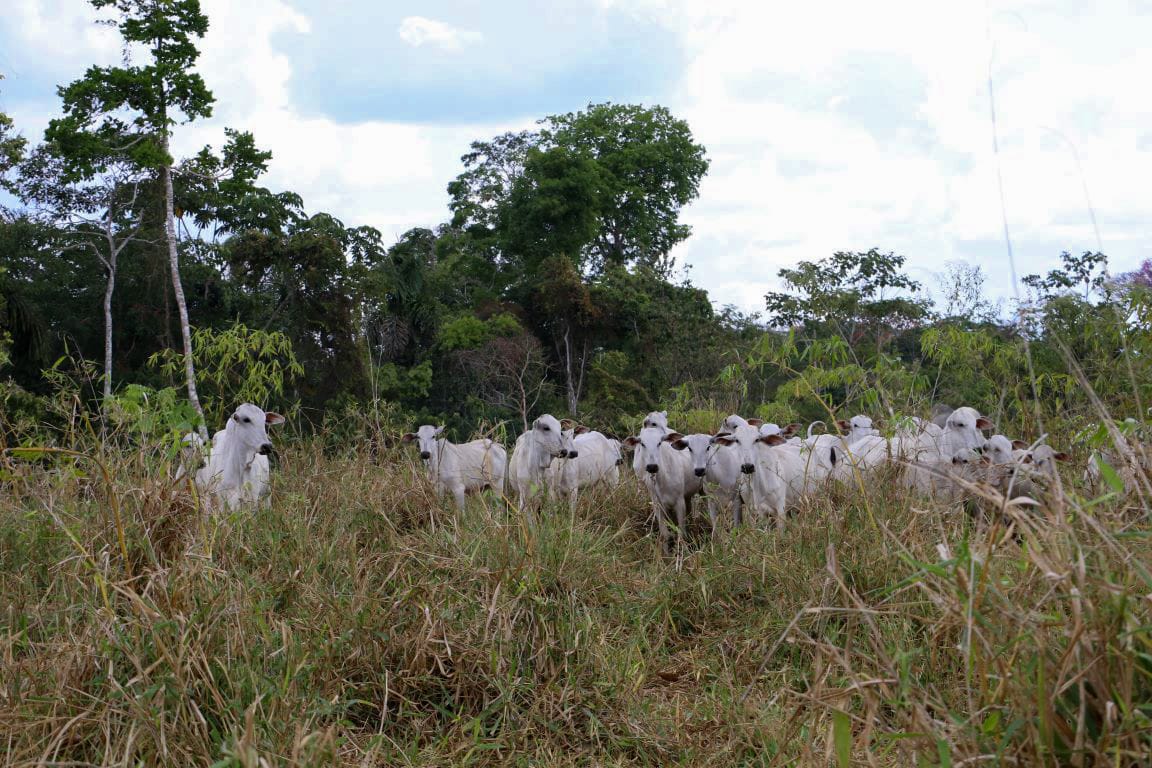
(425, 455)
(573, 454)
(747, 468)
(652, 469)
(700, 471)
(266, 449)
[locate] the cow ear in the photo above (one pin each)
(408, 437)
(631, 441)
(756, 422)
(581, 430)
(772, 439)
(673, 436)
(984, 423)
(567, 424)
(791, 429)
(1061, 456)
(271, 418)
(844, 425)
(722, 439)
(679, 444)
(439, 429)
(1019, 445)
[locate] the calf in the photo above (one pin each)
(665, 475)
(532, 455)
(237, 472)
(461, 468)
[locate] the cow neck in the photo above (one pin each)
(442, 445)
(235, 460)
(541, 459)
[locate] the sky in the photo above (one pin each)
(829, 125)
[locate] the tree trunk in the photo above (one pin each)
(569, 378)
(178, 291)
(108, 289)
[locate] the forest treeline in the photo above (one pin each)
(551, 286)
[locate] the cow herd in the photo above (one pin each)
(745, 469)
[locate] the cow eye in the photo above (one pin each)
(545, 427)
(247, 420)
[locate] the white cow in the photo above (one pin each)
(719, 469)
(788, 432)
(658, 419)
(735, 421)
(237, 471)
(857, 427)
(776, 471)
(461, 468)
(666, 473)
(594, 459)
(533, 454)
(932, 457)
(865, 454)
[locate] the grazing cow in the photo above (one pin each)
(776, 471)
(666, 473)
(237, 470)
(461, 468)
(594, 459)
(533, 454)
(719, 470)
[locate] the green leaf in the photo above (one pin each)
(842, 737)
(1110, 476)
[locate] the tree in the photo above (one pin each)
(651, 168)
(554, 207)
(130, 110)
(633, 169)
(512, 374)
(100, 214)
(856, 293)
(11, 148)
(563, 306)
(1088, 271)
(962, 289)
(218, 191)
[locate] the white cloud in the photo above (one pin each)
(769, 89)
(418, 30)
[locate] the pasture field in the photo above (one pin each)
(360, 621)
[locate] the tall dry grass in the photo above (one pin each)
(360, 621)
